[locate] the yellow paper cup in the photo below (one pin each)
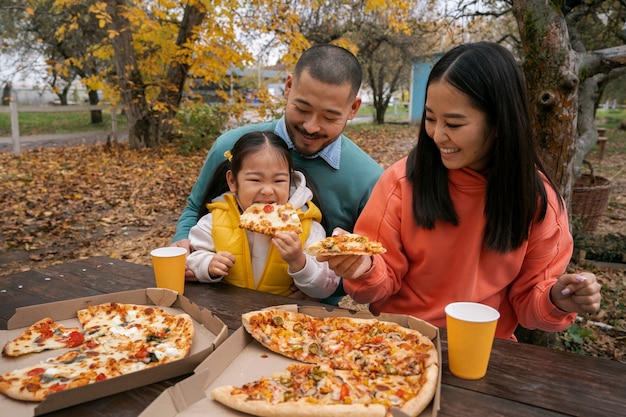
(471, 328)
(169, 267)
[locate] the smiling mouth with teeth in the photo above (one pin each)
(449, 150)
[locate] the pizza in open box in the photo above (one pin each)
(351, 367)
(116, 339)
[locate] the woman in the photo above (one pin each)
(471, 214)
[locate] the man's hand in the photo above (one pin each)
(184, 243)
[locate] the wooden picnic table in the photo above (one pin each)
(522, 380)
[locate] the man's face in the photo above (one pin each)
(316, 112)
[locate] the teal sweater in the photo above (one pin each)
(343, 192)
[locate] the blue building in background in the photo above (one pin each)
(419, 77)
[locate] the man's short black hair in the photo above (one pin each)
(331, 64)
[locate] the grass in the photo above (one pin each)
(393, 112)
(41, 123)
(610, 118)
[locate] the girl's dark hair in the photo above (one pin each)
(249, 143)
(489, 76)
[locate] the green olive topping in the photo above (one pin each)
(318, 374)
(390, 369)
(278, 320)
(286, 381)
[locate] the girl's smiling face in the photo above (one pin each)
(264, 178)
(459, 129)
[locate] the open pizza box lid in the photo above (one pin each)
(241, 359)
(209, 333)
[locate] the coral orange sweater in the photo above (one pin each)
(424, 270)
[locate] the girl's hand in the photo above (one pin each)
(221, 263)
(577, 293)
(290, 249)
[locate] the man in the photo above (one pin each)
(321, 98)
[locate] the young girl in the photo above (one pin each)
(258, 169)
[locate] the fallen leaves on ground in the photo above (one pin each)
(67, 203)
(78, 201)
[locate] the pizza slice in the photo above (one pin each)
(270, 219)
(76, 367)
(288, 333)
(43, 335)
(310, 390)
(346, 244)
(347, 343)
(146, 334)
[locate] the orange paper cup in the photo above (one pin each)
(169, 267)
(471, 328)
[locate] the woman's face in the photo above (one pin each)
(459, 130)
(264, 178)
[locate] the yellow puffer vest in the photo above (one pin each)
(228, 236)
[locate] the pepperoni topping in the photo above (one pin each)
(36, 371)
(57, 387)
(268, 208)
(74, 339)
(45, 332)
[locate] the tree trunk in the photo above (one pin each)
(178, 70)
(551, 71)
(96, 115)
(142, 128)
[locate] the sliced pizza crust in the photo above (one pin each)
(346, 244)
(270, 219)
(300, 408)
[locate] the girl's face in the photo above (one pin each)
(459, 130)
(264, 178)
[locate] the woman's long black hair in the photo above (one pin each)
(489, 76)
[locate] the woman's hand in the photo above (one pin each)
(577, 293)
(347, 266)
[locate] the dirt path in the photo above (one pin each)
(56, 141)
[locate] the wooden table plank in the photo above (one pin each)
(459, 402)
(555, 380)
(522, 380)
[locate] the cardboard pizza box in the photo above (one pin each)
(241, 359)
(209, 333)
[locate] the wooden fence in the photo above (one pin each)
(16, 139)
